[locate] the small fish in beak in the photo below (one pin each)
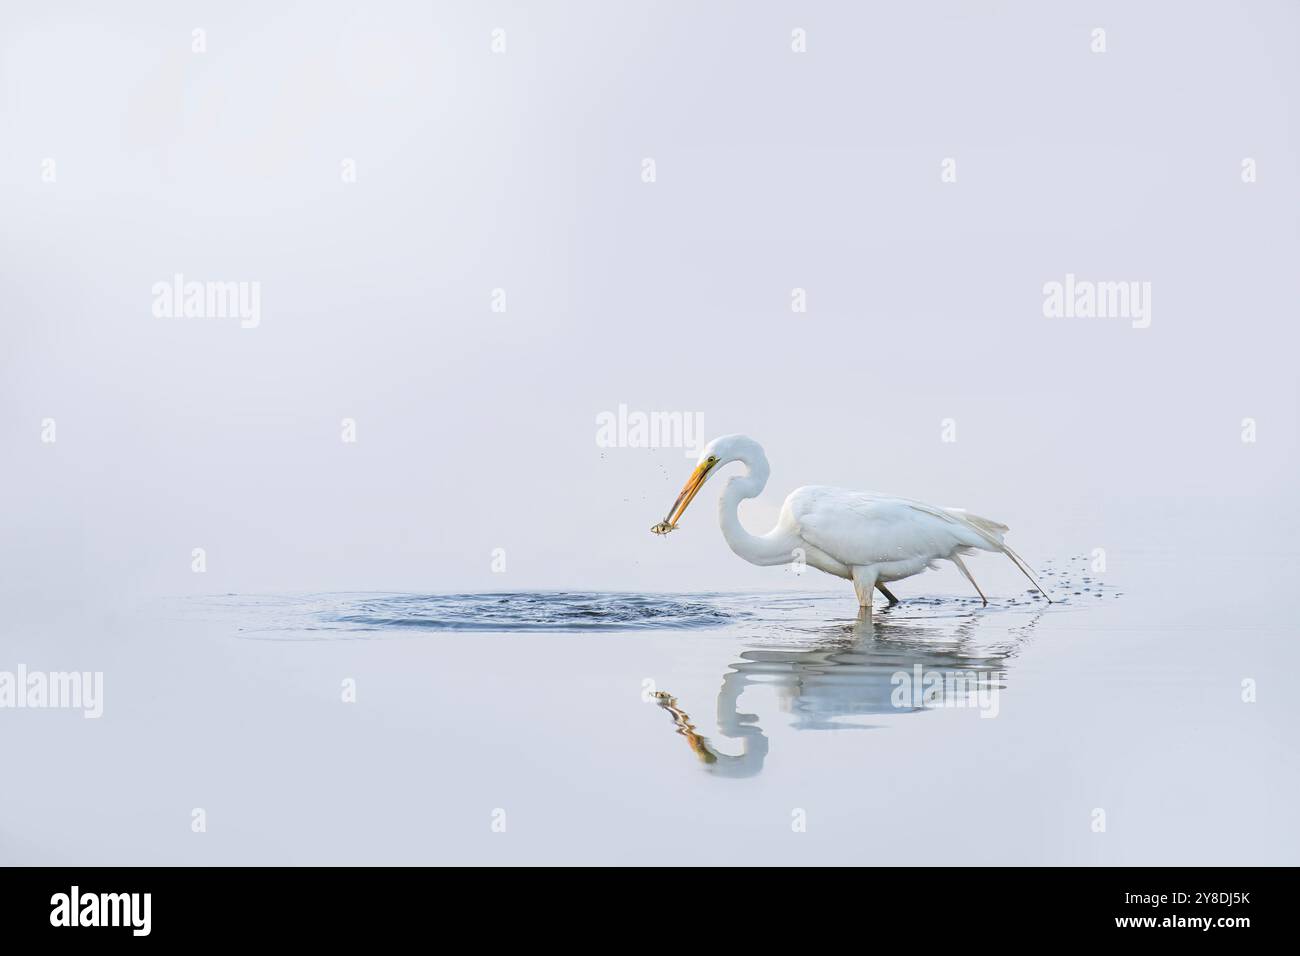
(689, 491)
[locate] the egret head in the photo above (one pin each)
(717, 453)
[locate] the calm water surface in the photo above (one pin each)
(775, 727)
(830, 666)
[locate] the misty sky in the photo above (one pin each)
(523, 171)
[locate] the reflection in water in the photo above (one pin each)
(861, 669)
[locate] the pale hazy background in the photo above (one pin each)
(477, 430)
(522, 171)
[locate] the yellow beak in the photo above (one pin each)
(689, 491)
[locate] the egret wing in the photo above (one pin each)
(860, 528)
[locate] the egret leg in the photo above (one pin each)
(864, 582)
(863, 628)
(885, 591)
(961, 566)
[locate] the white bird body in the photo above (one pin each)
(848, 529)
(867, 538)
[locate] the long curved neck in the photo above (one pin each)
(771, 548)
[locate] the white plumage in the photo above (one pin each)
(867, 538)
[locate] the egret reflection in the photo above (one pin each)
(846, 675)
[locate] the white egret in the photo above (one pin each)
(866, 538)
